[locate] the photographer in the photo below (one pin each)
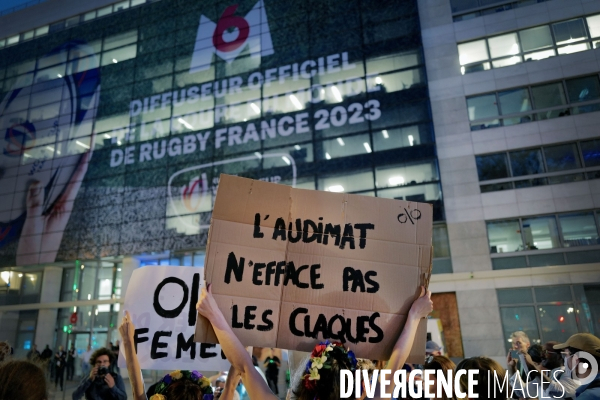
(101, 384)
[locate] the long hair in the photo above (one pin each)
(444, 364)
(23, 380)
(494, 382)
(184, 389)
(328, 386)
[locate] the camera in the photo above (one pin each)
(102, 371)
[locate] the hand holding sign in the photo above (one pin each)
(423, 305)
(207, 306)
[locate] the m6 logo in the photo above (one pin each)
(231, 35)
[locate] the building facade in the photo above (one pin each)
(118, 118)
(514, 98)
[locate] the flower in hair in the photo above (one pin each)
(319, 359)
(193, 376)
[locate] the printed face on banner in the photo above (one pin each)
(162, 304)
(44, 146)
(231, 35)
(289, 267)
(192, 190)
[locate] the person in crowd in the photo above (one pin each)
(115, 349)
(5, 351)
(33, 354)
(560, 385)
(492, 382)
(71, 355)
(85, 361)
(551, 359)
(178, 385)
(101, 383)
(432, 349)
(60, 358)
(439, 363)
(318, 383)
(516, 368)
(576, 366)
(220, 388)
(46, 358)
(272, 364)
(22, 380)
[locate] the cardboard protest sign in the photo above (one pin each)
(290, 267)
(162, 304)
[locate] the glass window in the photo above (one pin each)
(121, 5)
(574, 48)
(41, 31)
(558, 322)
(482, 107)
(514, 296)
(386, 177)
(583, 89)
(569, 31)
(539, 55)
(504, 236)
(460, 5)
(591, 152)
(544, 260)
(505, 62)
(562, 157)
(519, 319)
(137, 2)
(549, 294)
(536, 38)
(420, 193)
(347, 183)
(540, 233)
(549, 95)
(89, 16)
(441, 244)
(118, 55)
(400, 137)
(505, 45)
(514, 101)
(119, 40)
(391, 63)
(104, 11)
(526, 162)
(396, 81)
(72, 21)
(344, 147)
(12, 40)
(472, 52)
(492, 166)
(27, 35)
(579, 229)
(594, 25)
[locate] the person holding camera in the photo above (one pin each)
(101, 384)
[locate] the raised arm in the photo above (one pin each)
(233, 378)
(127, 330)
(232, 347)
(419, 309)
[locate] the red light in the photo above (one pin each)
(561, 319)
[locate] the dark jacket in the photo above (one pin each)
(99, 390)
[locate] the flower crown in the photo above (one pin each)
(193, 376)
(319, 359)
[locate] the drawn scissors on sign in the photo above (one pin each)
(411, 216)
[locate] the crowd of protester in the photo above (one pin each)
(551, 370)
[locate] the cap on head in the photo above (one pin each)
(582, 341)
(432, 346)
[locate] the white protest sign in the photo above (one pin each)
(162, 304)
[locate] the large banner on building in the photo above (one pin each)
(289, 267)
(257, 89)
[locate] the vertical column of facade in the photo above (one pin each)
(478, 309)
(46, 321)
